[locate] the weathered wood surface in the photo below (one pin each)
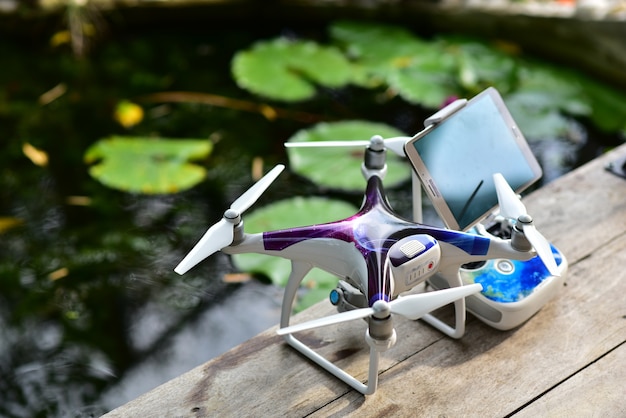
(568, 360)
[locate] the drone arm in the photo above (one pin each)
(453, 257)
(499, 248)
(335, 256)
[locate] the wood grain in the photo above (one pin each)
(567, 360)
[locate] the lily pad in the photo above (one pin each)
(288, 213)
(287, 70)
(379, 48)
(340, 167)
(419, 71)
(545, 100)
(608, 106)
(148, 166)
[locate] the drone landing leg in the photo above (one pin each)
(376, 347)
(298, 271)
(454, 280)
(336, 371)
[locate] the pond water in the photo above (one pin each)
(91, 313)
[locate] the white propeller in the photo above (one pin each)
(221, 234)
(395, 144)
(411, 306)
(512, 207)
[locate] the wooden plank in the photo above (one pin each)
(587, 392)
(486, 373)
(492, 373)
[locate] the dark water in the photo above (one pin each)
(91, 313)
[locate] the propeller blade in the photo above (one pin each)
(418, 305)
(542, 247)
(395, 144)
(412, 307)
(222, 234)
(510, 205)
(328, 320)
(253, 193)
(217, 237)
(325, 144)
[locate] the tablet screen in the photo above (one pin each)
(461, 154)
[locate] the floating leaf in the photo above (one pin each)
(37, 156)
(420, 72)
(297, 211)
(128, 114)
(534, 115)
(60, 38)
(608, 106)
(58, 274)
(288, 70)
(7, 223)
(421, 85)
(339, 167)
(544, 101)
(150, 166)
(480, 65)
(379, 47)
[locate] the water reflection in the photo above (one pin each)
(251, 309)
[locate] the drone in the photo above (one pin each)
(378, 256)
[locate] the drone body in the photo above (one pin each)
(357, 248)
(376, 255)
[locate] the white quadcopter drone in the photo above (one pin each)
(378, 257)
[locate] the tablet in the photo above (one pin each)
(455, 159)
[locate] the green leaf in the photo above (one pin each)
(339, 167)
(480, 65)
(384, 54)
(536, 115)
(287, 70)
(422, 86)
(149, 166)
(608, 106)
(288, 213)
(378, 46)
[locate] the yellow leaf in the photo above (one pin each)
(269, 112)
(52, 94)
(8, 223)
(78, 200)
(60, 38)
(58, 274)
(128, 114)
(37, 156)
(236, 278)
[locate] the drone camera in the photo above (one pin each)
(413, 259)
(347, 297)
